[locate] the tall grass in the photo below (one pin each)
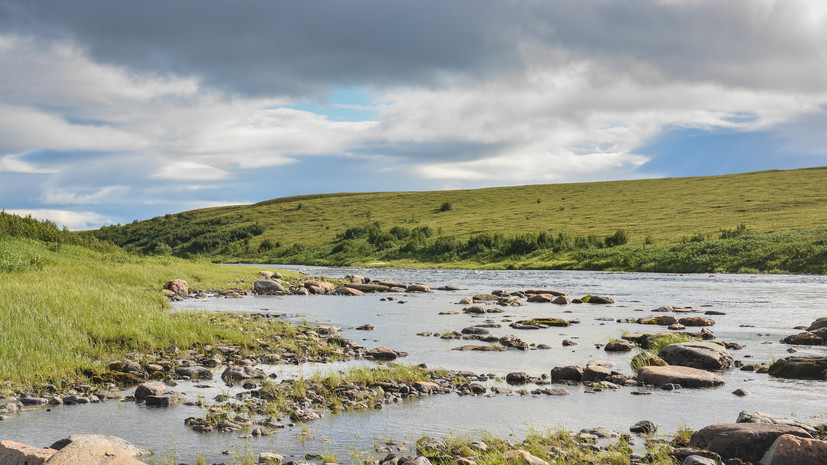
(68, 308)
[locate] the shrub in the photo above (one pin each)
(446, 206)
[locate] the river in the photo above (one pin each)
(760, 310)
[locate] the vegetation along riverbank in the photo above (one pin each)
(771, 221)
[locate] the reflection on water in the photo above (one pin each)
(770, 305)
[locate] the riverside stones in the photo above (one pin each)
(17, 453)
(145, 390)
(242, 372)
(619, 346)
(92, 449)
(819, 323)
(702, 355)
(267, 286)
(683, 376)
(518, 378)
(348, 291)
(121, 443)
(318, 287)
(759, 417)
(745, 441)
(800, 367)
(178, 287)
(382, 353)
(789, 449)
(417, 288)
(696, 321)
(567, 373)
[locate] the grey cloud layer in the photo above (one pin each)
(290, 47)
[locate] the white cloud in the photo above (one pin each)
(190, 171)
(14, 164)
(85, 196)
(70, 219)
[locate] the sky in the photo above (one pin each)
(118, 111)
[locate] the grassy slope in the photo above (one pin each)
(665, 210)
(67, 307)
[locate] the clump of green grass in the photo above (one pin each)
(659, 343)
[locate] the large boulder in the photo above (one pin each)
(759, 417)
(807, 338)
(684, 376)
(145, 390)
(793, 450)
(242, 372)
(597, 299)
(382, 353)
(697, 321)
(567, 373)
(819, 323)
(356, 279)
(319, 287)
(17, 453)
(621, 345)
(800, 367)
(123, 444)
(267, 286)
(178, 286)
(746, 441)
(703, 355)
(93, 450)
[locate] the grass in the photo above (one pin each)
(675, 224)
(67, 308)
(659, 343)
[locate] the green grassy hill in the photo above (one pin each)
(537, 226)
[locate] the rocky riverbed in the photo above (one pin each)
(259, 403)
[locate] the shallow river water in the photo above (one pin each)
(770, 304)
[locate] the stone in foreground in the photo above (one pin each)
(17, 453)
(745, 441)
(794, 450)
(684, 376)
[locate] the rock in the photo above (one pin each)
(517, 378)
(746, 441)
(382, 353)
(541, 323)
(800, 367)
(168, 399)
(644, 359)
(148, 389)
(466, 301)
(699, 460)
(568, 343)
(92, 449)
(702, 355)
(479, 348)
(676, 327)
(241, 372)
(123, 444)
(541, 298)
(366, 327)
(597, 299)
(389, 284)
(304, 416)
(195, 372)
(513, 341)
(348, 291)
(684, 376)
(643, 427)
(17, 453)
(793, 450)
(178, 286)
(267, 286)
(561, 300)
(818, 324)
(367, 287)
(270, 458)
(475, 330)
(550, 391)
(318, 287)
(265, 274)
(741, 392)
(808, 338)
(523, 456)
(600, 433)
(760, 417)
(619, 346)
(426, 446)
(417, 288)
(356, 279)
(474, 309)
(567, 373)
(545, 291)
(662, 320)
(596, 373)
(696, 321)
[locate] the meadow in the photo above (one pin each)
(771, 221)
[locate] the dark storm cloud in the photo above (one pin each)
(301, 47)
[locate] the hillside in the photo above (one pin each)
(537, 226)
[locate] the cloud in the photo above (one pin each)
(85, 196)
(14, 163)
(190, 171)
(70, 219)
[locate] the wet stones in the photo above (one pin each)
(643, 427)
(382, 353)
(597, 299)
(178, 287)
(145, 390)
(619, 346)
(567, 373)
(789, 449)
(366, 327)
(702, 355)
(242, 372)
(194, 372)
(518, 378)
(168, 399)
(417, 288)
(540, 323)
(683, 376)
(800, 367)
(268, 286)
(305, 416)
(696, 321)
(746, 441)
(348, 291)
